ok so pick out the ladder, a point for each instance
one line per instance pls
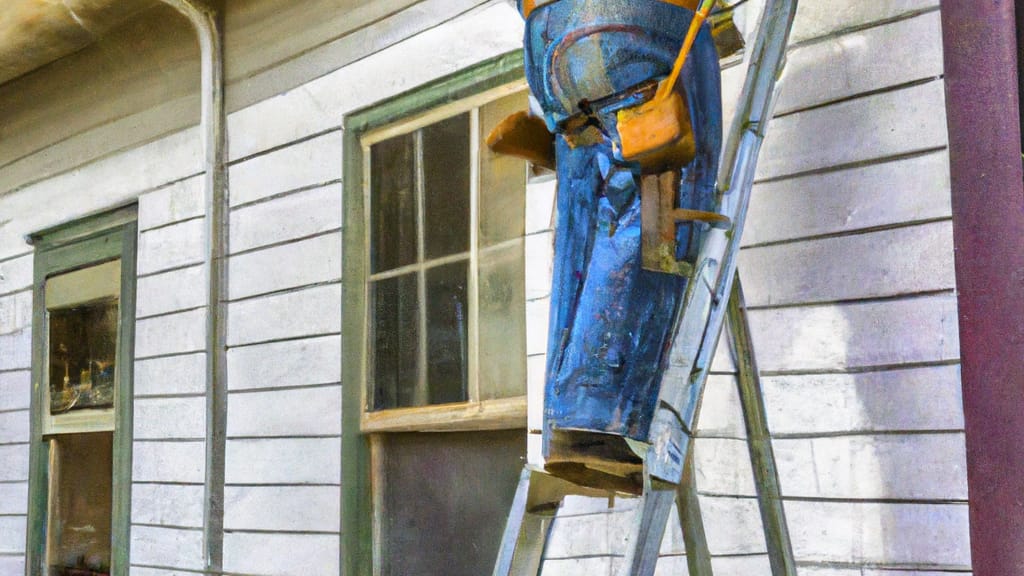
(714, 294)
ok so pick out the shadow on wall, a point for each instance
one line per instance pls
(864, 405)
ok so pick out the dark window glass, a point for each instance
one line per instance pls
(396, 342)
(393, 204)
(83, 345)
(81, 504)
(446, 163)
(447, 337)
(445, 496)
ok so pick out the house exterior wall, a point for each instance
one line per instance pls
(847, 267)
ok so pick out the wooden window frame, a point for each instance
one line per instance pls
(86, 242)
(443, 98)
(474, 413)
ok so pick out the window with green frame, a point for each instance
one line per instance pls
(80, 453)
(434, 322)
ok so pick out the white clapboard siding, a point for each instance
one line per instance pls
(721, 415)
(732, 525)
(282, 554)
(152, 88)
(285, 508)
(867, 128)
(12, 564)
(866, 82)
(170, 462)
(907, 467)
(16, 350)
(13, 498)
(16, 274)
(817, 18)
(172, 246)
(170, 418)
(842, 201)
(168, 505)
(12, 534)
(538, 252)
(283, 461)
(295, 412)
(167, 547)
(179, 374)
(584, 535)
(307, 312)
(321, 102)
(176, 333)
(537, 314)
(14, 427)
(172, 291)
(865, 216)
(904, 399)
(15, 390)
(863, 61)
(810, 570)
(856, 335)
(181, 200)
(297, 215)
(15, 459)
(282, 495)
(308, 361)
(853, 267)
(723, 467)
(314, 162)
(312, 261)
(110, 181)
(924, 535)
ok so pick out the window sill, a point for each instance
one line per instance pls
(499, 414)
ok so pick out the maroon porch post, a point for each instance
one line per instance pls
(979, 37)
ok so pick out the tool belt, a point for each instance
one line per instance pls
(527, 6)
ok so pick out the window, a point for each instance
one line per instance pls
(434, 307)
(81, 415)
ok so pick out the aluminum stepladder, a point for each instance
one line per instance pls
(712, 294)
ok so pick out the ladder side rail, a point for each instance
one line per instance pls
(759, 440)
(698, 556)
(736, 178)
(513, 526)
(739, 166)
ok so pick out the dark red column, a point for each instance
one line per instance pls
(979, 37)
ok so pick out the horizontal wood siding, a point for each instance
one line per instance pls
(848, 272)
(847, 266)
(15, 391)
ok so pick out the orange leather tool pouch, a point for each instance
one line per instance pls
(657, 134)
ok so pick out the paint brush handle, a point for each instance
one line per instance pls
(698, 18)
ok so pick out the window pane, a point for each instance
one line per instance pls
(445, 498)
(81, 504)
(446, 161)
(83, 345)
(502, 323)
(447, 338)
(392, 204)
(502, 177)
(396, 342)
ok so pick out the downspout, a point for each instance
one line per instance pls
(208, 22)
(987, 190)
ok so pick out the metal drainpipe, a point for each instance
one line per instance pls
(208, 23)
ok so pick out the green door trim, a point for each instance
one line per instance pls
(356, 508)
(85, 242)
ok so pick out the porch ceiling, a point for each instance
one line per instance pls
(34, 33)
